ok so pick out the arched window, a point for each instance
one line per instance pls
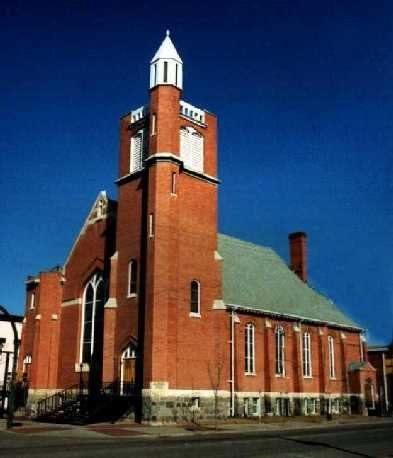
(195, 297)
(249, 351)
(92, 318)
(307, 371)
(280, 351)
(132, 277)
(332, 368)
(191, 148)
(128, 370)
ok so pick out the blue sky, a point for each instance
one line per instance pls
(305, 104)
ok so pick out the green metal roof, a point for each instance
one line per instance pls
(256, 278)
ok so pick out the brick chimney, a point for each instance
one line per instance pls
(298, 254)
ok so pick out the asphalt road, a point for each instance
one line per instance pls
(360, 441)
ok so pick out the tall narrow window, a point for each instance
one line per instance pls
(332, 368)
(195, 297)
(132, 277)
(136, 151)
(155, 74)
(176, 73)
(153, 125)
(93, 306)
(280, 351)
(173, 184)
(151, 225)
(165, 71)
(32, 301)
(249, 351)
(307, 371)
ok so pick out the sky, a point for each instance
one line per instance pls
(304, 97)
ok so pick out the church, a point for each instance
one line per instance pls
(156, 305)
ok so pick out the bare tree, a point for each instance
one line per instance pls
(215, 376)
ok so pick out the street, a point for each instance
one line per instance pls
(361, 441)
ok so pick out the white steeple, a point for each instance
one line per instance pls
(166, 67)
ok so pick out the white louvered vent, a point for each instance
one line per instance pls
(191, 148)
(137, 151)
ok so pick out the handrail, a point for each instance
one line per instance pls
(55, 401)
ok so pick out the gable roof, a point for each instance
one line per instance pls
(255, 278)
(101, 209)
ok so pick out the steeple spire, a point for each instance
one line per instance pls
(166, 67)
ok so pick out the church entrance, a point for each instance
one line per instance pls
(128, 371)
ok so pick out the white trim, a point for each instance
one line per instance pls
(161, 389)
(217, 256)
(151, 225)
(128, 353)
(306, 355)
(32, 300)
(38, 317)
(280, 351)
(219, 304)
(174, 184)
(289, 315)
(101, 196)
(198, 313)
(132, 265)
(194, 315)
(111, 303)
(85, 367)
(249, 356)
(331, 351)
(94, 282)
(72, 302)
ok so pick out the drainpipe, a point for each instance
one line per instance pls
(385, 385)
(232, 379)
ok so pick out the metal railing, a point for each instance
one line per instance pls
(58, 400)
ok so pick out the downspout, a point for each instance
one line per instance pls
(385, 385)
(232, 379)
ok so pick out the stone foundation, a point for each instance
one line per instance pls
(168, 406)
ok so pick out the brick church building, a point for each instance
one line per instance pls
(153, 298)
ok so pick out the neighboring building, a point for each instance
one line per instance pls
(7, 347)
(153, 297)
(381, 357)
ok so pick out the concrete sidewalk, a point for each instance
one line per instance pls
(129, 430)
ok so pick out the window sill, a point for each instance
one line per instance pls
(332, 378)
(194, 315)
(280, 375)
(307, 376)
(173, 194)
(250, 374)
(131, 295)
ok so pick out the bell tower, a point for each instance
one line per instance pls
(167, 227)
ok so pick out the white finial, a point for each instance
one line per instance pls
(168, 32)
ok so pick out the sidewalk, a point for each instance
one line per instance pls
(238, 426)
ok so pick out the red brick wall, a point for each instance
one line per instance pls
(41, 336)
(27, 338)
(346, 351)
(92, 252)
